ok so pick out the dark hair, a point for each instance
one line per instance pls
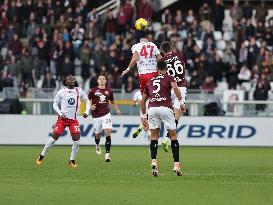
(102, 74)
(64, 82)
(166, 47)
(161, 65)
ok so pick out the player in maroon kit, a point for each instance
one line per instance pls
(160, 110)
(175, 68)
(100, 97)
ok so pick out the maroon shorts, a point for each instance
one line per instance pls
(143, 79)
(61, 124)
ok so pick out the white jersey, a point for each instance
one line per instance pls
(147, 61)
(67, 102)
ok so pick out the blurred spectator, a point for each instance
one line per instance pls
(236, 11)
(261, 92)
(229, 57)
(250, 30)
(205, 12)
(243, 52)
(49, 81)
(232, 77)
(110, 27)
(77, 35)
(13, 70)
(209, 84)
(190, 17)
(130, 84)
(93, 79)
(218, 15)
(85, 57)
(194, 83)
(129, 11)
(247, 10)
(261, 12)
(15, 46)
(167, 17)
(252, 52)
(27, 68)
(244, 74)
(4, 22)
(255, 74)
(67, 67)
(145, 10)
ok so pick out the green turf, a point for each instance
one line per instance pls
(214, 176)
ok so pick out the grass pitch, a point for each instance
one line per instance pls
(212, 175)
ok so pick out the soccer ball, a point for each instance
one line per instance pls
(141, 24)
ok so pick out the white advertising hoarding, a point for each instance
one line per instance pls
(193, 131)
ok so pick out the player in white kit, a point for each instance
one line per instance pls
(145, 55)
(68, 99)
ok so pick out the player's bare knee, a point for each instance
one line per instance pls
(172, 134)
(108, 132)
(97, 136)
(154, 134)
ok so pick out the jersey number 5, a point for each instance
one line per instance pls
(143, 51)
(157, 84)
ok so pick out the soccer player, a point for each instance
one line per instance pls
(175, 68)
(160, 110)
(145, 55)
(100, 97)
(68, 99)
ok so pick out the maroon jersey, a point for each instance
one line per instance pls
(100, 98)
(176, 67)
(158, 90)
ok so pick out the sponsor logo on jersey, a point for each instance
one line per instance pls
(71, 101)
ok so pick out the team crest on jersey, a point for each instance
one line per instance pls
(157, 95)
(101, 96)
(71, 101)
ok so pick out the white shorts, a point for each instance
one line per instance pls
(158, 115)
(175, 101)
(101, 123)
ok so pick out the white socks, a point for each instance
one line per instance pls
(75, 149)
(49, 144)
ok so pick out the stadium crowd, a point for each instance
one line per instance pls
(46, 40)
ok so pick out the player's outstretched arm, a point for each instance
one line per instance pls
(179, 96)
(131, 64)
